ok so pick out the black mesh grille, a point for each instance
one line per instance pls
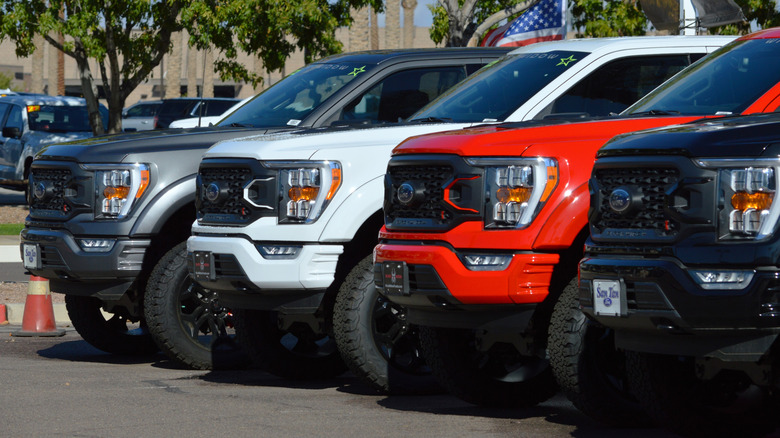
(56, 181)
(651, 183)
(432, 178)
(233, 180)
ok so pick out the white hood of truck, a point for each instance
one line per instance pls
(317, 145)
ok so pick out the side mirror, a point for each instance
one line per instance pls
(12, 132)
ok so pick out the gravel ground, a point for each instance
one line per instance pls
(17, 292)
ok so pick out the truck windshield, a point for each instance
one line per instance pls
(498, 89)
(726, 82)
(290, 100)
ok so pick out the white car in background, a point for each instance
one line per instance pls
(194, 122)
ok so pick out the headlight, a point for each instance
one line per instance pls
(516, 189)
(118, 187)
(748, 188)
(306, 188)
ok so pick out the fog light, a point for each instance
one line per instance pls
(279, 251)
(96, 245)
(720, 280)
(486, 262)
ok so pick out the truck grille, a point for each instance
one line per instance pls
(441, 191)
(432, 179)
(651, 184)
(222, 189)
(54, 182)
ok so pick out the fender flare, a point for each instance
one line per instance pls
(164, 205)
(564, 224)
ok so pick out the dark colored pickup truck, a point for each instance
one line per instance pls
(683, 265)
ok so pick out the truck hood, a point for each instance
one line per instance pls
(515, 138)
(125, 147)
(317, 143)
(740, 136)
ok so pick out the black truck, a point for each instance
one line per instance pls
(683, 267)
(109, 216)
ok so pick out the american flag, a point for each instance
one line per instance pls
(544, 21)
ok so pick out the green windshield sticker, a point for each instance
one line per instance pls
(357, 71)
(565, 61)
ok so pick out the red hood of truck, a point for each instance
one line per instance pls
(512, 140)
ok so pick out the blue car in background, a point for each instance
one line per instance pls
(32, 121)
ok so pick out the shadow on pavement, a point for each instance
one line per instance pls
(81, 351)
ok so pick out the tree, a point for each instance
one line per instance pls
(597, 18)
(454, 21)
(127, 39)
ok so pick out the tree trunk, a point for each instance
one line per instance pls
(90, 92)
(461, 28)
(37, 65)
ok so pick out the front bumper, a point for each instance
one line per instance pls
(243, 278)
(667, 312)
(442, 291)
(71, 270)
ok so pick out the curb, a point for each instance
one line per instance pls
(15, 312)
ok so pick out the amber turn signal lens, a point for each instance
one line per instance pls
(116, 192)
(303, 193)
(758, 201)
(513, 194)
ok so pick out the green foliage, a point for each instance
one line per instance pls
(762, 13)
(5, 81)
(440, 29)
(607, 18)
(128, 39)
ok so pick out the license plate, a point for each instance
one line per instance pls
(31, 256)
(609, 298)
(395, 278)
(203, 263)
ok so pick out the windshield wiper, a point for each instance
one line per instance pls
(656, 112)
(241, 125)
(431, 120)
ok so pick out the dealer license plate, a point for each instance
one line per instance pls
(395, 278)
(203, 265)
(31, 257)
(608, 298)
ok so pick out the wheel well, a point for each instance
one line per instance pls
(174, 231)
(361, 245)
(27, 163)
(562, 274)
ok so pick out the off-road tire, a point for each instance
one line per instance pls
(588, 368)
(673, 396)
(299, 355)
(374, 339)
(482, 378)
(110, 335)
(185, 320)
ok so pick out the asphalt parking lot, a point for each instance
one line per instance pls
(64, 387)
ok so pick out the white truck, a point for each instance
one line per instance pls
(287, 223)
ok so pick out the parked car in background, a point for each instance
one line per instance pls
(188, 107)
(194, 122)
(140, 116)
(31, 121)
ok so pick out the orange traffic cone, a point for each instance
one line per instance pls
(3, 315)
(38, 317)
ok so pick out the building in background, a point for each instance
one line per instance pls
(187, 72)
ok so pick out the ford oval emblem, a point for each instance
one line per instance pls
(40, 190)
(212, 192)
(405, 193)
(619, 200)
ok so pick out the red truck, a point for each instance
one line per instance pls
(484, 228)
